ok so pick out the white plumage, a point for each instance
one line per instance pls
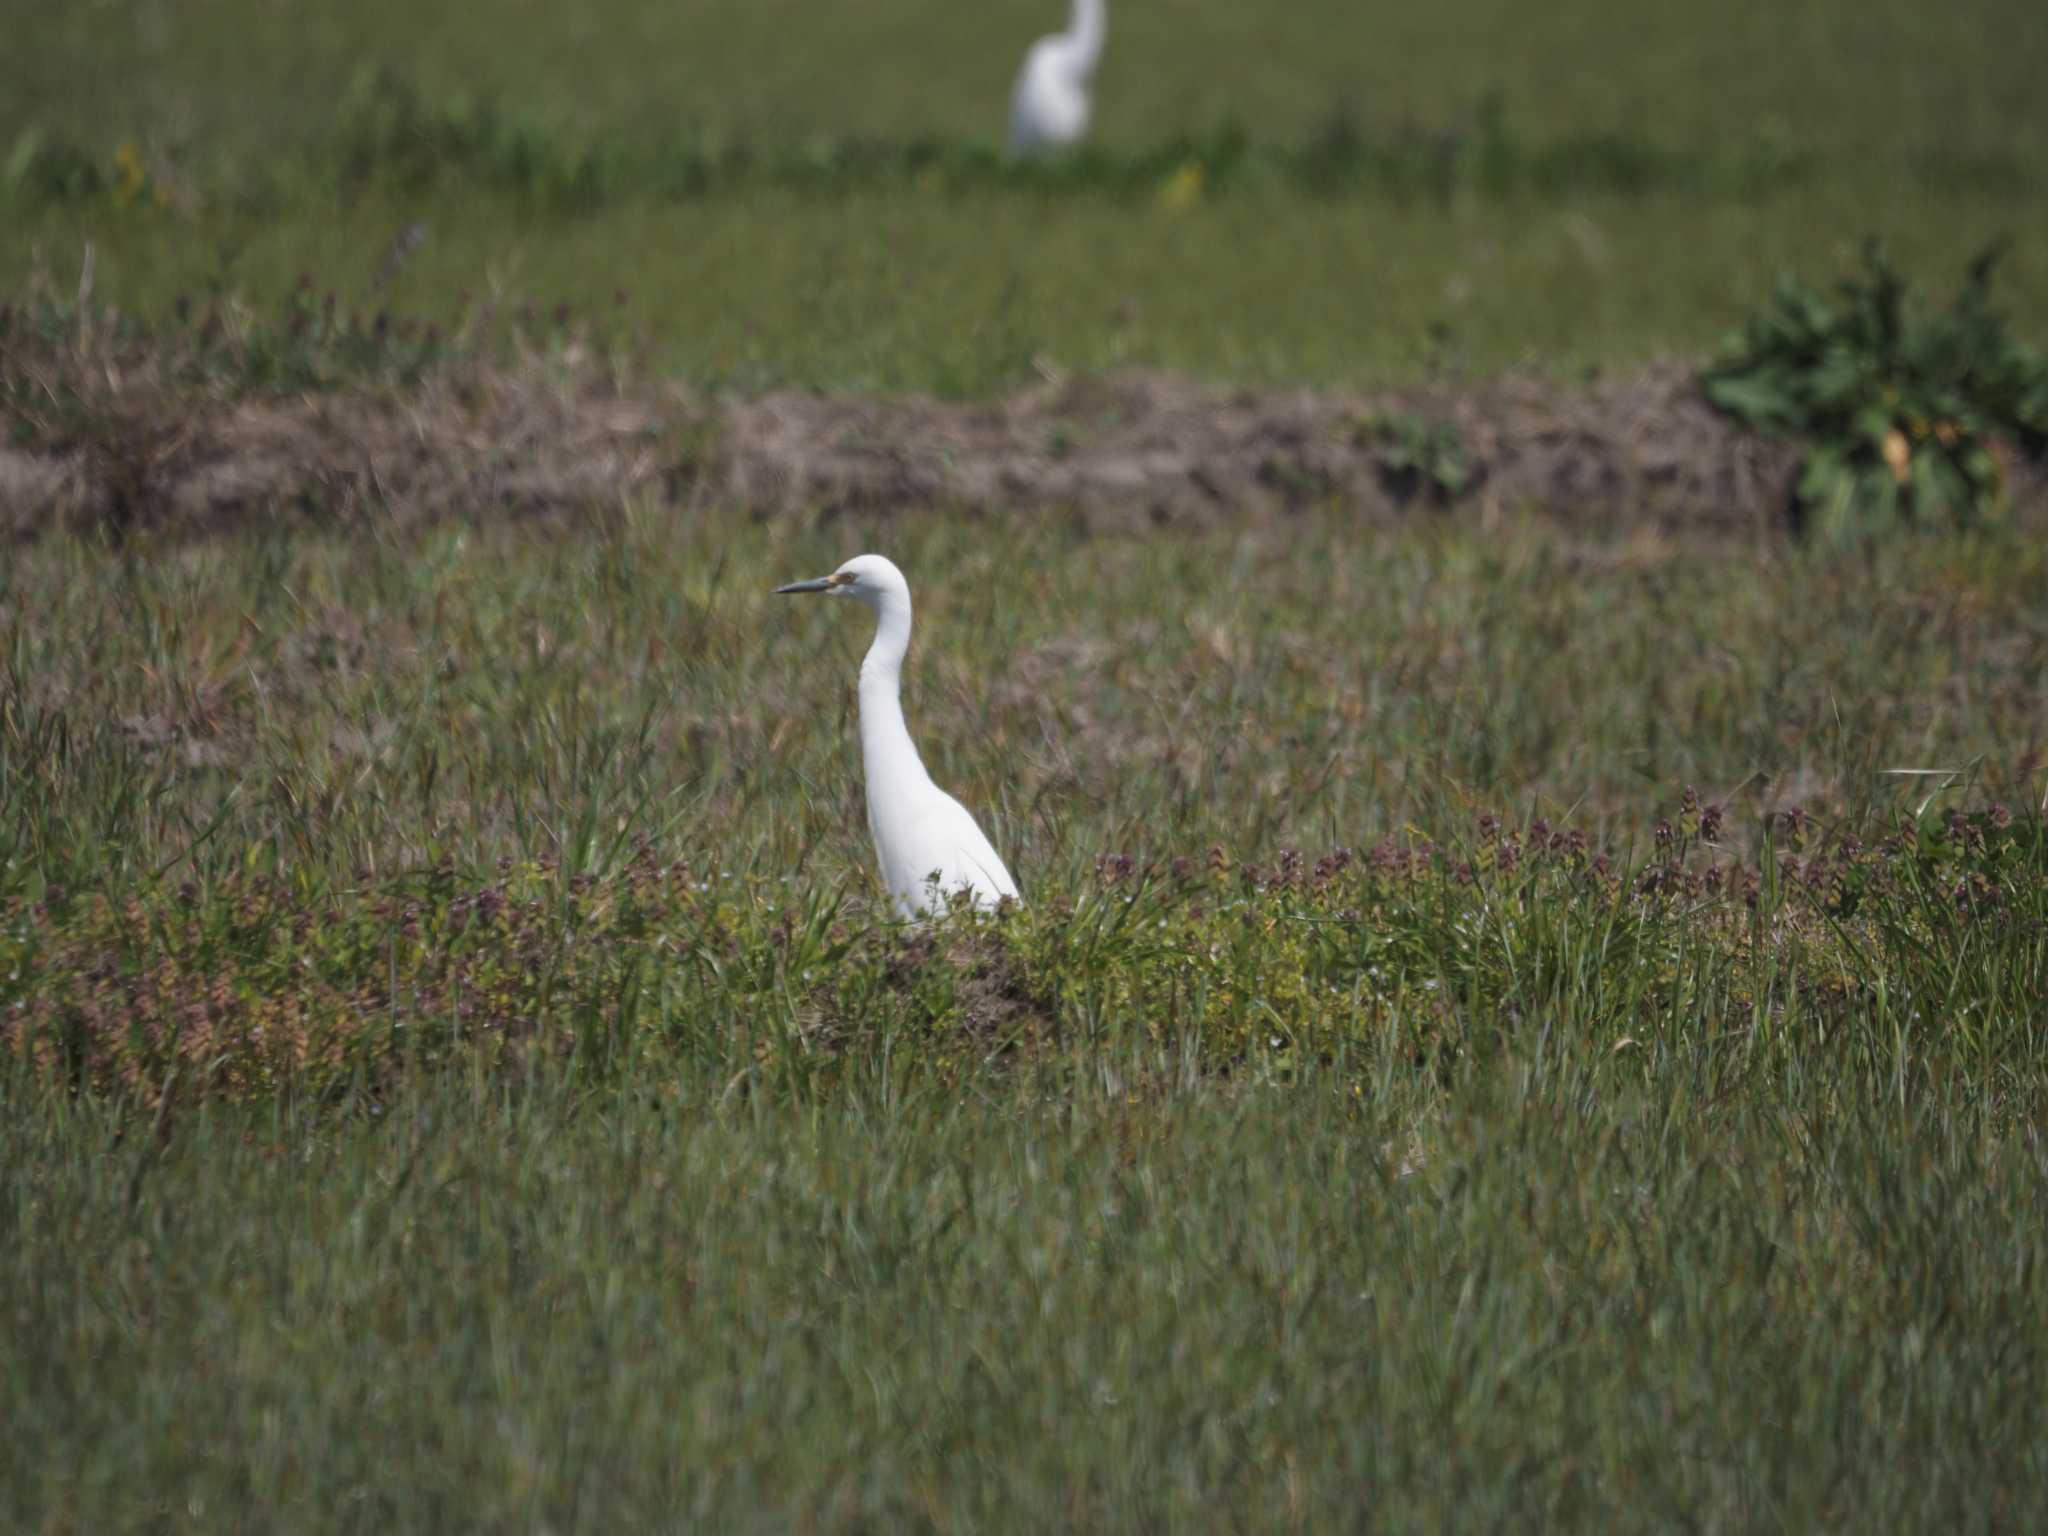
(1049, 106)
(928, 846)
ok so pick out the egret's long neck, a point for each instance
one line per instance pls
(1086, 28)
(887, 753)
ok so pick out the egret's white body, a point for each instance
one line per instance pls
(927, 844)
(1049, 107)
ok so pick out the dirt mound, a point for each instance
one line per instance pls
(1136, 449)
(1141, 446)
(495, 445)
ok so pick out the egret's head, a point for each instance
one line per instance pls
(871, 578)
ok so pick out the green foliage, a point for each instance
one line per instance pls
(390, 134)
(1902, 409)
(1419, 453)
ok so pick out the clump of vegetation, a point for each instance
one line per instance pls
(1904, 408)
(1419, 455)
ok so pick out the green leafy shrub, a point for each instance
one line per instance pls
(1419, 455)
(1902, 407)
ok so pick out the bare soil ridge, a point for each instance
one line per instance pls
(1133, 449)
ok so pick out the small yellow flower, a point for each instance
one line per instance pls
(1183, 187)
(130, 174)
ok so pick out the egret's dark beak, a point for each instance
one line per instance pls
(822, 584)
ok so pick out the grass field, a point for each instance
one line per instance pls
(1513, 1020)
(508, 1103)
(1669, 171)
(1881, 79)
(1592, 1304)
(901, 292)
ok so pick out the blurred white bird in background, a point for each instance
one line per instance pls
(929, 847)
(1049, 107)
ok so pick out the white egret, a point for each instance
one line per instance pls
(1049, 107)
(929, 847)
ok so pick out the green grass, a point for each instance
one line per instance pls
(900, 291)
(1313, 683)
(1865, 79)
(459, 1070)
(1544, 1295)
(304, 808)
(1507, 1024)
(557, 168)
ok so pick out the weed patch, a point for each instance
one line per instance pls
(1908, 416)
